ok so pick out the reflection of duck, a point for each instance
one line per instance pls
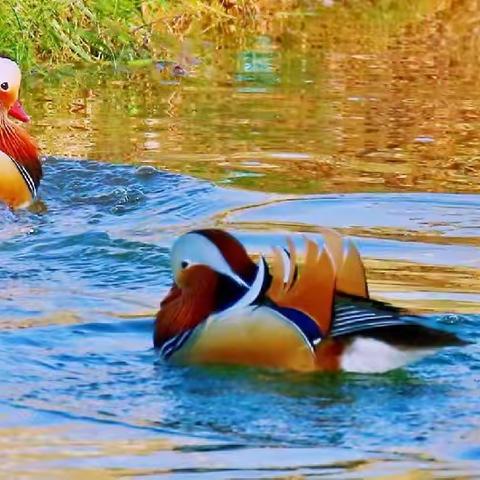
(20, 168)
(224, 308)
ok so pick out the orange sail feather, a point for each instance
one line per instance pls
(324, 273)
(317, 275)
(351, 278)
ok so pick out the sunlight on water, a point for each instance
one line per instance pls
(360, 117)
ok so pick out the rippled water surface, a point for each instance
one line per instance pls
(359, 117)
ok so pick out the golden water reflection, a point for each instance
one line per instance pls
(71, 451)
(358, 96)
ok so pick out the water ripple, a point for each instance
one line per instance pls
(83, 276)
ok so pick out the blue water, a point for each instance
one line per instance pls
(83, 392)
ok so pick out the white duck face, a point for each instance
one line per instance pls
(10, 78)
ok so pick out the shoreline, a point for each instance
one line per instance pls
(89, 31)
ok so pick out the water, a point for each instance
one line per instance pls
(358, 125)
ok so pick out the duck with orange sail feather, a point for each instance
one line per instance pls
(224, 308)
(20, 167)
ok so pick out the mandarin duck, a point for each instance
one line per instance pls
(20, 167)
(224, 308)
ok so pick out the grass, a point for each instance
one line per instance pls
(63, 31)
(58, 32)
(67, 31)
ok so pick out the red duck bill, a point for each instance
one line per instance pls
(17, 111)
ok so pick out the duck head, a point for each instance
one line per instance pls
(20, 167)
(212, 272)
(216, 249)
(10, 79)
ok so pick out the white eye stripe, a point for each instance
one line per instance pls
(10, 74)
(199, 250)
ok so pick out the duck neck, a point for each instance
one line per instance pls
(18, 145)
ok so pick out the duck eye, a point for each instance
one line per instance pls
(4, 86)
(184, 264)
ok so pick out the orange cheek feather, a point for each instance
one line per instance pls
(187, 306)
(7, 98)
(174, 293)
(9, 101)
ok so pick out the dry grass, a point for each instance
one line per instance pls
(63, 31)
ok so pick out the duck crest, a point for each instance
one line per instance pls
(19, 146)
(233, 252)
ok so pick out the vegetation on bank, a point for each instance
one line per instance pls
(63, 31)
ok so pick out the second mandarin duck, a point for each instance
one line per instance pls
(20, 167)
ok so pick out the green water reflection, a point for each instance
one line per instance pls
(352, 97)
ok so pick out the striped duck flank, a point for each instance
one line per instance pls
(314, 315)
(20, 167)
